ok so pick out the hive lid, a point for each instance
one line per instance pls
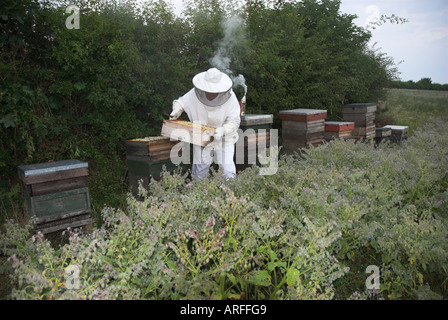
(149, 139)
(303, 112)
(252, 119)
(337, 123)
(303, 115)
(359, 105)
(257, 116)
(49, 167)
(394, 127)
(359, 108)
(383, 129)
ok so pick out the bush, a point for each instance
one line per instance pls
(307, 232)
(80, 93)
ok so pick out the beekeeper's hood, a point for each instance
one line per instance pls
(213, 81)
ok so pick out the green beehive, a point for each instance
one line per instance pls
(57, 195)
(146, 159)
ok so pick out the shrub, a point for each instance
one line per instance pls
(307, 232)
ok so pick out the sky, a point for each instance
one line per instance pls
(419, 47)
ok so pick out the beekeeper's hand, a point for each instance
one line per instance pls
(177, 111)
(219, 132)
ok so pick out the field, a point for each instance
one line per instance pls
(412, 108)
(321, 228)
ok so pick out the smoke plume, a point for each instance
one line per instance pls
(233, 35)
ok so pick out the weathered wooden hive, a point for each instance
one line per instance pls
(57, 195)
(146, 158)
(254, 132)
(382, 134)
(338, 130)
(302, 128)
(363, 115)
(398, 133)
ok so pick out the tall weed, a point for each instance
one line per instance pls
(307, 232)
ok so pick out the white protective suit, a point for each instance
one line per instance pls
(222, 113)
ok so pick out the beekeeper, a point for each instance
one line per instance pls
(212, 102)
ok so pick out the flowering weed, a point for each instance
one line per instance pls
(307, 232)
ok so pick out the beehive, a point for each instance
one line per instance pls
(382, 135)
(57, 195)
(146, 158)
(363, 115)
(254, 132)
(338, 130)
(398, 133)
(302, 128)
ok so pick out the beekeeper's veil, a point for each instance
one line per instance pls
(213, 81)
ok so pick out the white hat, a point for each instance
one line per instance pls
(213, 81)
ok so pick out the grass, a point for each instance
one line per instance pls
(413, 108)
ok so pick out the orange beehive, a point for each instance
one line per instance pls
(338, 130)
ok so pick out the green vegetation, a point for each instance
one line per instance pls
(80, 93)
(422, 84)
(413, 108)
(308, 232)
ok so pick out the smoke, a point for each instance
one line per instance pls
(233, 35)
(240, 81)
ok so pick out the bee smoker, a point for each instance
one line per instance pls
(243, 105)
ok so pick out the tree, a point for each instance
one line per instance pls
(309, 55)
(424, 84)
(81, 92)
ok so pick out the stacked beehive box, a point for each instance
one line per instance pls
(57, 195)
(398, 133)
(363, 115)
(254, 137)
(146, 158)
(302, 128)
(382, 134)
(338, 130)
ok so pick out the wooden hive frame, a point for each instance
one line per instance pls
(186, 131)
